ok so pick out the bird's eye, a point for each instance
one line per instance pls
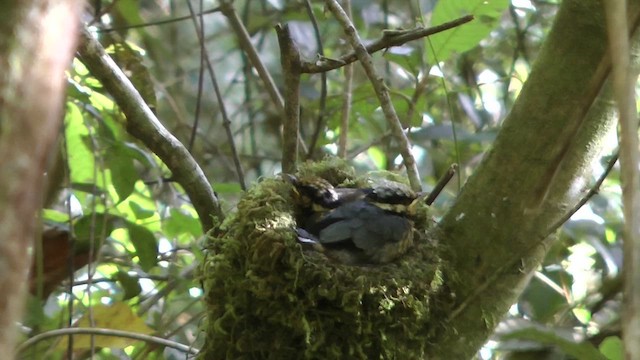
(330, 196)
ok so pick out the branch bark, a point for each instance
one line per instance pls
(624, 80)
(290, 59)
(143, 125)
(532, 176)
(381, 92)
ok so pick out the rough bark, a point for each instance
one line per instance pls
(496, 232)
(36, 46)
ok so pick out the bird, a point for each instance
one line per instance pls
(360, 232)
(355, 226)
(316, 194)
(394, 197)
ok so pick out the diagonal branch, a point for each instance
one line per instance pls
(381, 92)
(226, 123)
(390, 38)
(145, 126)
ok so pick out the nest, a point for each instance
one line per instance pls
(267, 298)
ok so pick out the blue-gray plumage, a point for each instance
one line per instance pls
(376, 235)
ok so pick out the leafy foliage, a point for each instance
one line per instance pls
(134, 238)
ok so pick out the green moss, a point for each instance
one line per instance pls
(269, 299)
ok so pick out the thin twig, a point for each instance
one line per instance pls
(624, 80)
(290, 59)
(509, 265)
(156, 23)
(381, 139)
(241, 32)
(421, 85)
(323, 81)
(442, 182)
(196, 115)
(594, 190)
(145, 126)
(245, 43)
(248, 97)
(347, 99)
(452, 112)
(106, 332)
(226, 123)
(381, 92)
(389, 39)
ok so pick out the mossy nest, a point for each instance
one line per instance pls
(268, 298)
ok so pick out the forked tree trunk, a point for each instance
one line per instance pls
(497, 230)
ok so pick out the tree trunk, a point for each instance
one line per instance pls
(497, 231)
(36, 46)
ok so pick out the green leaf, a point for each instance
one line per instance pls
(540, 301)
(487, 14)
(140, 212)
(129, 10)
(129, 284)
(582, 350)
(179, 223)
(89, 226)
(81, 158)
(405, 57)
(54, 216)
(123, 174)
(228, 188)
(146, 246)
(611, 348)
(77, 91)
(89, 188)
(378, 157)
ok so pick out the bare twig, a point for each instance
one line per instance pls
(203, 49)
(624, 81)
(421, 85)
(241, 32)
(226, 123)
(106, 332)
(161, 22)
(442, 182)
(347, 97)
(509, 265)
(381, 139)
(381, 92)
(245, 43)
(248, 97)
(290, 58)
(594, 190)
(389, 39)
(320, 123)
(143, 125)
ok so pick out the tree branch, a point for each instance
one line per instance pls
(347, 99)
(495, 239)
(381, 92)
(390, 38)
(226, 123)
(290, 58)
(624, 80)
(227, 9)
(143, 125)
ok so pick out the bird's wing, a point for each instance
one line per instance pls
(337, 232)
(344, 212)
(380, 231)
